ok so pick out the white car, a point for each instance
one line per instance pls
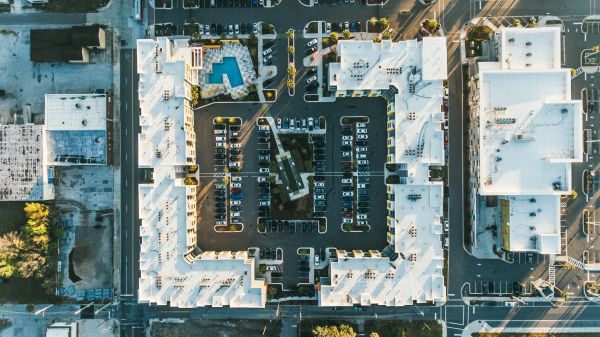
(236, 202)
(255, 28)
(220, 187)
(446, 225)
(346, 142)
(236, 214)
(236, 146)
(361, 149)
(346, 137)
(311, 79)
(235, 134)
(347, 194)
(363, 162)
(271, 268)
(319, 184)
(221, 222)
(264, 203)
(347, 220)
(361, 130)
(237, 29)
(234, 164)
(346, 154)
(219, 139)
(311, 43)
(317, 258)
(201, 30)
(347, 181)
(328, 28)
(362, 217)
(263, 170)
(319, 196)
(292, 124)
(362, 136)
(236, 178)
(362, 186)
(363, 222)
(361, 156)
(361, 125)
(219, 132)
(262, 179)
(219, 144)
(279, 123)
(267, 51)
(234, 185)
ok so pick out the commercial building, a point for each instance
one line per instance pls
(66, 44)
(409, 270)
(74, 133)
(529, 133)
(174, 270)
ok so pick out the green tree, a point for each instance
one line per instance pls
(289, 34)
(377, 39)
(334, 37)
(346, 34)
(291, 50)
(292, 71)
(517, 22)
(373, 334)
(333, 331)
(373, 21)
(30, 307)
(30, 265)
(387, 35)
(291, 84)
(219, 120)
(384, 22)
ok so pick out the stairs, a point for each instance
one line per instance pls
(551, 274)
(576, 263)
(578, 72)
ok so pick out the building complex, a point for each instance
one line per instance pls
(527, 136)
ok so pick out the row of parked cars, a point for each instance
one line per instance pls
(229, 29)
(338, 27)
(297, 124)
(292, 226)
(227, 146)
(233, 201)
(264, 160)
(354, 189)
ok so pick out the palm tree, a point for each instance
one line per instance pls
(219, 120)
(291, 50)
(289, 34)
(292, 71)
(377, 39)
(346, 34)
(387, 35)
(291, 84)
(373, 21)
(232, 120)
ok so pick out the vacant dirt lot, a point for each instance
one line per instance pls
(216, 328)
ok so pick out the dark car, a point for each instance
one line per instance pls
(220, 193)
(221, 210)
(220, 199)
(264, 152)
(234, 151)
(264, 134)
(263, 184)
(263, 190)
(319, 163)
(235, 190)
(363, 210)
(273, 226)
(362, 142)
(261, 254)
(220, 156)
(280, 226)
(235, 208)
(263, 163)
(363, 204)
(264, 208)
(213, 29)
(234, 128)
(319, 190)
(234, 158)
(346, 148)
(220, 217)
(319, 178)
(263, 140)
(312, 71)
(243, 28)
(312, 86)
(264, 214)
(234, 140)
(346, 132)
(320, 203)
(363, 198)
(268, 253)
(219, 29)
(320, 169)
(320, 209)
(220, 204)
(319, 151)
(219, 150)
(220, 162)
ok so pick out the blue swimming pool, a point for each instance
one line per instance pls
(230, 68)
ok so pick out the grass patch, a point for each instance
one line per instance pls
(25, 290)
(300, 149)
(74, 6)
(282, 208)
(404, 328)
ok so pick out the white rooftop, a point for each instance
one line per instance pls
(530, 131)
(368, 65)
(415, 143)
(75, 112)
(170, 274)
(534, 223)
(529, 48)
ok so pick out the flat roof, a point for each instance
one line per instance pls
(413, 72)
(75, 129)
(530, 132)
(367, 65)
(530, 48)
(75, 112)
(23, 174)
(172, 269)
(534, 223)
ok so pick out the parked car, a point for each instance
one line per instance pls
(255, 28)
(361, 130)
(311, 79)
(311, 43)
(268, 58)
(362, 136)
(236, 202)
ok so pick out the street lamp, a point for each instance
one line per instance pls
(43, 310)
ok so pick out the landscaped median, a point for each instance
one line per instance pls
(291, 82)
